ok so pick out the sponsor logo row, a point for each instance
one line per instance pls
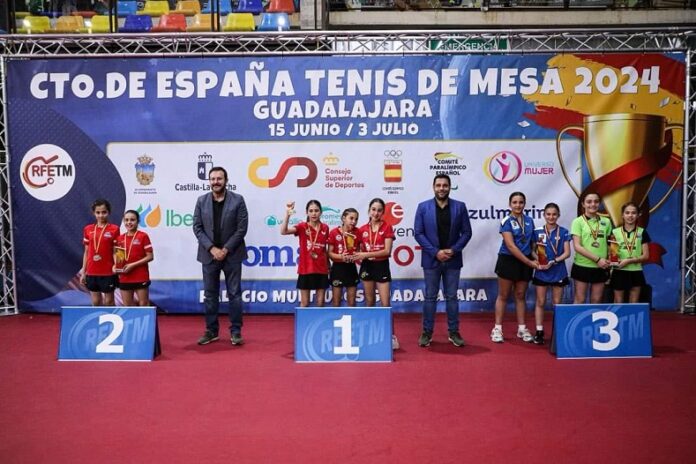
(48, 172)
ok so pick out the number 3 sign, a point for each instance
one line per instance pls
(105, 333)
(603, 331)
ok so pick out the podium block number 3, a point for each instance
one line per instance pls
(345, 323)
(106, 345)
(608, 330)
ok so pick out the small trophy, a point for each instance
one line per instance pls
(541, 254)
(119, 258)
(613, 250)
(290, 206)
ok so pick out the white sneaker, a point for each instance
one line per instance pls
(525, 335)
(395, 343)
(496, 335)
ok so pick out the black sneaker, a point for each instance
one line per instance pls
(236, 339)
(207, 337)
(539, 337)
(456, 339)
(425, 338)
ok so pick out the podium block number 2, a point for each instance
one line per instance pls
(106, 345)
(609, 330)
(345, 323)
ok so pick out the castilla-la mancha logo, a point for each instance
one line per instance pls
(47, 172)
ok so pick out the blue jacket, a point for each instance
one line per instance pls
(426, 232)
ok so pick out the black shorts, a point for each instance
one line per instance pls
(626, 280)
(101, 284)
(312, 281)
(541, 283)
(510, 268)
(589, 275)
(344, 275)
(375, 271)
(133, 285)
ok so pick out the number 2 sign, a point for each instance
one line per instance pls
(108, 333)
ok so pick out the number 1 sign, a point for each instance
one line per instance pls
(343, 335)
(107, 333)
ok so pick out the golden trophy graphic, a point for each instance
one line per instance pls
(623, 152)
(120, 259)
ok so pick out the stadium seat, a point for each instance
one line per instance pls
(239, 22)
(225, 7)
(274, 22)
(155, 8)
(281, 6)
(188, 7)
(249, 6)
(70, 25)
(35, 25)
(172, 22)
(84, 14)
(202, 22)
(99, 24)
(127, 7)
(137, 23)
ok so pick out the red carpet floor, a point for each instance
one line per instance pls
(252, 404)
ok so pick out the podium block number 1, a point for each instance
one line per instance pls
(345, 323)
(105, 346)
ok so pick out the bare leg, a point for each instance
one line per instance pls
(336, 296)
(369, 287)
(540, 304)
(520, 301)
(504, 289)
(143, 296)
(596, 293)
(304, 298)
(321, 296)
(580, 292)
(350, 295)
(127, 296)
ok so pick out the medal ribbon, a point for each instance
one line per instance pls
(629, 245)
(127, 248)
(316, 236)
(372, 238)
(548, 239)
(594, 232)
(98, 242)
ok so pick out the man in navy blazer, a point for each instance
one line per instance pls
(442, 229)
(220, 223)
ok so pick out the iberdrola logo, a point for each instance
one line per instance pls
(149, 217)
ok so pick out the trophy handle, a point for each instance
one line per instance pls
(676, 179)
(560, 155)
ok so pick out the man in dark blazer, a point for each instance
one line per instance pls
(220, 223)
(442, 229)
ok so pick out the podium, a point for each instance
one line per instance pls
(108, 333)
(333, 334)
(603, 331)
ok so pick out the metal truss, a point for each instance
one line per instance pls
(345, 43)
(613, 40)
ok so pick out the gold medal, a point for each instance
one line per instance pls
(595, 244)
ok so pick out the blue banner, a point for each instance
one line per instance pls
(143, 132)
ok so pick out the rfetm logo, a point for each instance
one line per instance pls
(283, 172)
(47, 172)
(149, 217)
(393, 213)
(504, 167)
